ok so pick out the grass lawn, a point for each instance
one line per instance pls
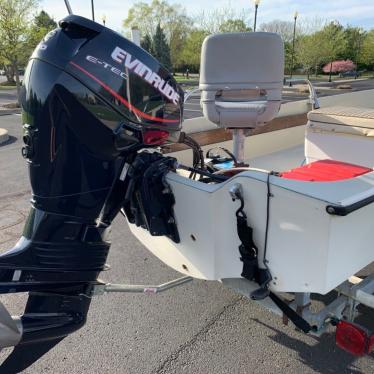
(182, 79)
(325, 77)
(194, 78)
(3, 87)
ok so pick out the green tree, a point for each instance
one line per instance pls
(367, 50)
(160, 47)
(354, 39)
(333, 42)
(289, 63)
(172, 18)
(310, 53)
(283, 28)
(41, 25)
(43, 19)
(234, 25)
(15, 19)
(146, 43)
(191, 51)
(180, 30)
(224, 19)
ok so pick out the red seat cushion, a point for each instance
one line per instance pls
(326, 171)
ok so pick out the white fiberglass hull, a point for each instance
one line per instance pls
(308, 250)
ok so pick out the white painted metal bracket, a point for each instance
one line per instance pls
(135, 288)
(360, 290)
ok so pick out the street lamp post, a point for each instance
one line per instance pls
(93, 10)
(330, 73)
(333, 56)
(360, 33)
(257, 2)
(103, 18)
(293, 45)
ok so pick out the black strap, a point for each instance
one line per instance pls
(251, 271)
(248, 250)
(249, 257)
(296, 319)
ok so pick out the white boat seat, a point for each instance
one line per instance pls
(241, 78)
(341, 133)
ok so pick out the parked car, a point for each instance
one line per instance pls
(2, 72)
(351, 73)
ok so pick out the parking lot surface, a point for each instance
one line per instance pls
(200, 327)
(193, 110)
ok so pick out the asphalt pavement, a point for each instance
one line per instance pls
(7, 96)
(192, 107)
(200, 327)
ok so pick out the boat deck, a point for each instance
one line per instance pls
(281, 160)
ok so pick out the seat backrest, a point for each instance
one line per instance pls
(241, 78)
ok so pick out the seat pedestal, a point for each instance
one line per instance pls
(238, 137)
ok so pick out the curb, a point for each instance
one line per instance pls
(4, 137)
(5, 111)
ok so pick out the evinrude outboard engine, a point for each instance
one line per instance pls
(91, 100)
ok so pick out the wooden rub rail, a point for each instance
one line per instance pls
(222, 135)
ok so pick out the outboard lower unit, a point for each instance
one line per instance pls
(91, 100)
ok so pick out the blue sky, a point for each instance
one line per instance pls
(353, 12)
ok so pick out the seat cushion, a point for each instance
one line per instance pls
(325, 171)
(344, 120)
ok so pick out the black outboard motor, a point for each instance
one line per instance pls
(91, 100)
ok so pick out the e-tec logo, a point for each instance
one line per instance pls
(121, 56)
(113, 69)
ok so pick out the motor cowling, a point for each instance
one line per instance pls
(90, 95)
(91, 100)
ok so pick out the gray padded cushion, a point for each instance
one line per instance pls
(241, 78)
(242, 60)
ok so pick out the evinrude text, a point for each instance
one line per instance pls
(121, 56)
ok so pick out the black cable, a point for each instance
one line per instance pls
(217, 178)
(265, 275)
(226, 151)
(197, 153)
(267, 218)
(296, 319)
